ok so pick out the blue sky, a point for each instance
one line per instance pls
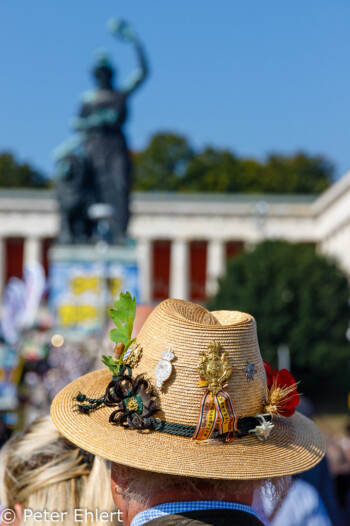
(255, 76)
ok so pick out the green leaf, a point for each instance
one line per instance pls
(130, 342)
(111, 364)
(123, 316)
(130, 326)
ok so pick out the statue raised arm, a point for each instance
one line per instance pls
(123, 31)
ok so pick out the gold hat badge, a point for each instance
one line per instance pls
(216, 406)
(214, 367)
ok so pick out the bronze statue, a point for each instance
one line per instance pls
(100, 157)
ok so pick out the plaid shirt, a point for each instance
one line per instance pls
(171, 508)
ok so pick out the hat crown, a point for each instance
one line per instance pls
(189, 330)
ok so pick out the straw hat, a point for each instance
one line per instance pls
(293, 445)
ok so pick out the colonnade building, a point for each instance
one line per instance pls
(185, 239)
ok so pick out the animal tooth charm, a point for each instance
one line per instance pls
(164, 368)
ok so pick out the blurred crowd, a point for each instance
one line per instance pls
(338, 454)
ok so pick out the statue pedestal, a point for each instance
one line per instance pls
(84, 280)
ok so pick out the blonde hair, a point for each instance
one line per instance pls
(41, 470)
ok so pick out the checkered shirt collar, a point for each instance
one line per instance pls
(171, 508)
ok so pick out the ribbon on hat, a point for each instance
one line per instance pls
(216, 409)
(216, 405)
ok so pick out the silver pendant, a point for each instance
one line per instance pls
(164, 368)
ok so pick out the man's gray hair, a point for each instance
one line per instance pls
(141, 486)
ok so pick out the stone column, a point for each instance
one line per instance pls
(145, 255)
(179, 269)
(32, 250)
(216, 260)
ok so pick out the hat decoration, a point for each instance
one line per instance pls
(136, 399)
(282, 395)
(216, 406)
(133, 397)
(249, 370)
(164, 368)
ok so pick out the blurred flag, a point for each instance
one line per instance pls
(12, 310)
(21, 301)
(8, 396)
(34, 282)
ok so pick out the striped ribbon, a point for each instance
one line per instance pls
(216, 410)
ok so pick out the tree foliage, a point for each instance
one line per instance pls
(162, 164)
(169, 163)
(299, 299)
(14, 174)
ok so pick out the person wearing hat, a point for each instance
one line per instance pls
(192, 419)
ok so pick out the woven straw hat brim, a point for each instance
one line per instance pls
(294, 445)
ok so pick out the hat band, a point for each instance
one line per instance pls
(245, 426)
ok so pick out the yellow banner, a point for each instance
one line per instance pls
(69, 315)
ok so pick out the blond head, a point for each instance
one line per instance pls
(41, 470)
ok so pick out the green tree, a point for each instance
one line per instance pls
(169, 163)
(299, 173)
(299, 299)
(16, 175)
(162, 164)
(212, 171)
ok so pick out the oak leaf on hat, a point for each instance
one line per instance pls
(133, 397)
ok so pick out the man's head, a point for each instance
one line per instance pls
(135, 490)
(189, 422)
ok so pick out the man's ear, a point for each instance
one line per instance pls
(118, 483)
(118, 475)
